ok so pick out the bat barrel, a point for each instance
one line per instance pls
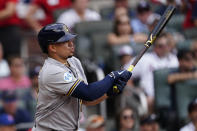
(163, 21)
(156, 31)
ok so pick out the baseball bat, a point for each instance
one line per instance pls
(152, 37)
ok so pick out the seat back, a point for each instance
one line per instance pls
(185, 92)
(191, 33)
(176, 22)
(58, 12)
(85, 30)
(162, 88)
(101, 49)
(184, 45)
(106, 12)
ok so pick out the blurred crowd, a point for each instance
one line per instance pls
(108, 39)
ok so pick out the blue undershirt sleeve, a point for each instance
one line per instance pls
(93, 91)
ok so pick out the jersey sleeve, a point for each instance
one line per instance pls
(62, 82)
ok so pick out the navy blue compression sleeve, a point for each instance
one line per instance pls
(93, 90)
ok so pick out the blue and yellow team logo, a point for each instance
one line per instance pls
(68, 77)
(66, 28)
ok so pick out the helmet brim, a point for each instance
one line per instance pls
(67, 37)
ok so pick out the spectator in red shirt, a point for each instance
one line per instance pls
(9, 27)
(191, 15)
(49, 6)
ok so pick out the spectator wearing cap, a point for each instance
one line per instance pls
(9, 101)
(192, 110)
(139, 24)
(95, 123)
(34, 72)
(7, 123)
(31, 96)
(149, 123)
(125, 54)
(163, 4)
(185, 71)
(131, 96)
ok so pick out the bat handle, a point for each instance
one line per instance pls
(130, 69)
(115, 88)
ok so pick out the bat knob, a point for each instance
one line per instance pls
(115, 89)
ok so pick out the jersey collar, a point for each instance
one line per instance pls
(53, 61)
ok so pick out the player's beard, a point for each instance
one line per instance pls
(70, 56)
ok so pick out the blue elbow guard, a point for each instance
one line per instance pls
(93, 90)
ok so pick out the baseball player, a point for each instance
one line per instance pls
(62, 83)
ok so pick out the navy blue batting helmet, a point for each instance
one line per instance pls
(52, 34)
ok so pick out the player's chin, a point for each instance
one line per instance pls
(71, 55)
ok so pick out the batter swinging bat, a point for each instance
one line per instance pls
(151, 38)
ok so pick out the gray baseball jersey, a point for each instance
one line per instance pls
(56, 109)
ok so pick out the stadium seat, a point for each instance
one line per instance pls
(103, 54)
(100, 48)
(176, 22)
(185, 92)
(162, 88)
(114, 58)
(105, 12)
(191, 33)
(184, 45)
(58, 12)
(87, 28)
(167, 117)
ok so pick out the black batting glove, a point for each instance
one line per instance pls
(123, 75)
(120, 86)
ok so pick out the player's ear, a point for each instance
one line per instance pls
(52, 48)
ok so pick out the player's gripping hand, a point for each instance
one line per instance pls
(120, 80)
(123, 75)
(120, 86)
